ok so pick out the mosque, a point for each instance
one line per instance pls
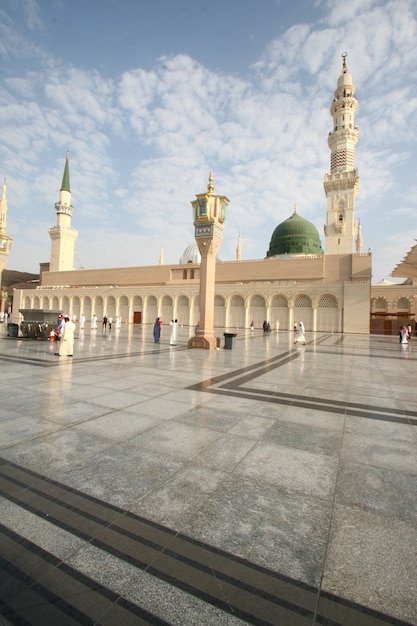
(328, 289)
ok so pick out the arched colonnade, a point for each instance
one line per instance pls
(321, 312)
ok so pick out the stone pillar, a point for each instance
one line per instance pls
(209, 214)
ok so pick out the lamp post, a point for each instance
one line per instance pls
(209, 211)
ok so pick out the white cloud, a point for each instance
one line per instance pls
(142, 143)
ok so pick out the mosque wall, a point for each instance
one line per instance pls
(327, 293)
(356, 311)
(362, 266)
(327, 307)
(144, 275)
(348, 267)
(288, 267)
(292, 267)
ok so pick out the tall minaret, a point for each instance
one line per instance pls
(238, 249)
(342, 184)
(63, 236)
(5, 240)
(359, 239)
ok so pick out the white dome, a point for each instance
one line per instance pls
(191, 254)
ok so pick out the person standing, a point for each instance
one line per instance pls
(105, 323)
(300, 335)
(94, 322)
(404, 335)
(174, 332)
(157, 330)
(110, 320)
(60, 328)
(82, 321)
(66, 345)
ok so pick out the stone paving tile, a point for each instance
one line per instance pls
(305, 466)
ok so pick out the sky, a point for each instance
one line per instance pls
(149, 96)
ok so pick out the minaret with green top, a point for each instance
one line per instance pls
(63, 236)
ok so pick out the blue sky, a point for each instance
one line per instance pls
(150, 95)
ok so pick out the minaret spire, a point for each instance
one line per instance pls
(342, 184)
(5, 242)
(3, 208)
(66, 178)
(210, 186)
(359, 240)
(63, 236)
(238, 249)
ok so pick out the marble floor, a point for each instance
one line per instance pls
(269, 484)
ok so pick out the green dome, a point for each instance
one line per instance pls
(295, 236)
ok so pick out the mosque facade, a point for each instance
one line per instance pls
(328, 289)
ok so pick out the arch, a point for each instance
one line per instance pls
(328, 313)
(280, 312)
(110, 307)
(219, 311)
(86, 308)
(137, 313)
(403, 305)
(380, 305)
(257, 311)
(98, 307)
(45, 303)
(166, 309)
(55, 304)
(36, 302)
(328, 301)
(302, 301)
(150, 309)
(123, 307)
(76, 307)
(183, 310)
(194, 310)
(303, 311)
(236, 310)
(66, 305)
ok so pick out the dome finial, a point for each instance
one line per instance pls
(344, 66)
(210, 186)
(295, 209)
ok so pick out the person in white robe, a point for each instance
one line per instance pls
(66, 345)
(300, 335)
(404, 335)
(174, 332)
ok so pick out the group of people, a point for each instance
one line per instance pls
(157, 331)
(106, 322)
(66, 334)
(405, 334)
(65, 331)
